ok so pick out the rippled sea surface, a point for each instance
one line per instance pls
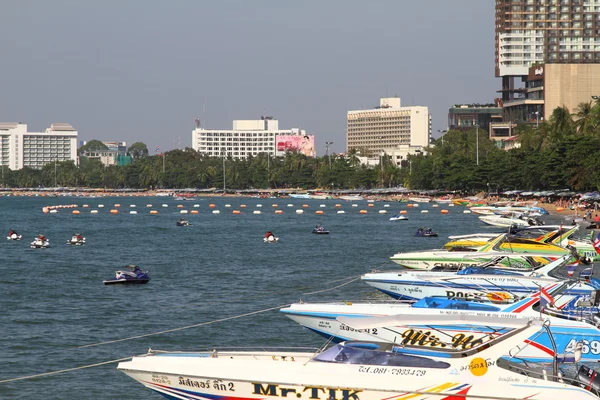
(52, 301)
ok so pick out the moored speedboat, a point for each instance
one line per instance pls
(133, 275)
(363, 371)
(473, 282)
(572, 319)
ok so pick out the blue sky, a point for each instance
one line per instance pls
(143, 70)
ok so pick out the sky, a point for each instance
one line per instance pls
(143, 70)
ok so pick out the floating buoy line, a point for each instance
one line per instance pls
(347, 281)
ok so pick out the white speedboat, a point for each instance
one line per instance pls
(506, 221)
(420, 199)
(398, 217)
(572, 319)
(367, 370)
(483, 282)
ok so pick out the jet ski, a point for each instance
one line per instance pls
(40, 242)
(76, 240)
(319, 230)
(183, 222)
(425, 232)
(14, 236)
(133, 274)
(398, 217)
(271, 239)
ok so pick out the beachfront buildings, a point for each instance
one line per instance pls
(250, 138)
(20, 148)
(388, 129)
(464, 117)
(547, 55)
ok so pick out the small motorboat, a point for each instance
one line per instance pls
(76, 240)
(593, 225)
(425, 232)
(320, 230)
(133, 274)
(40, 242)
(398, 217)
(183, 222)
(12, 235)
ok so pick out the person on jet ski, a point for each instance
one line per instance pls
(12, 233)
(41, 237)
(318, 227)
(269, 234)
(79, 237)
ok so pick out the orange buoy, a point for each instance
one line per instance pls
(304, 205)
(76, 212)
(179, 205)
(194, 212)
(274, 205)
(236, 212)
(211, 205)
(113, 211)
(362, 211)
(560, 209)
(153, 212)
(319, 212)
(444, 211)
(278, 211)
(338, 205)
(45, 210)
(409, 205)
(242, 206)
(371, 205)
(403, 212)
(117, 205)
(85, 206)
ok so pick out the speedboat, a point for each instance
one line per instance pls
(371, 370)
(40, 242)
(425, 232)
(319, 230)
(133, 274)
(398, 217)
(474, 282)
(183, 222)
(430, 259)
(572, 319)
(14, 236)
(76, 240)
(508, 220)
(271, 239)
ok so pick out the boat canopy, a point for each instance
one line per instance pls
(371, 353)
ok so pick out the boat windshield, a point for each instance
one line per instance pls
(368, 353)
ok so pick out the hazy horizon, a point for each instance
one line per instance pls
(143, 71)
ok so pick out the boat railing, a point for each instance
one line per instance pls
(254, 351)
(390, 301)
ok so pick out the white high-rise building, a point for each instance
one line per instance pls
(387, 128)
(20, 148)
(250, 138)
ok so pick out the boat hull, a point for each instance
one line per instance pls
(126, 281)
(287, 376)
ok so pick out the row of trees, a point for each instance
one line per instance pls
(559, 153)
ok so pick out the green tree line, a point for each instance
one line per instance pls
(559, 153)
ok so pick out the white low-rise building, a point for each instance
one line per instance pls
(250, 138)
(20, 148)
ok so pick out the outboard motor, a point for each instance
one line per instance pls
(588, 379)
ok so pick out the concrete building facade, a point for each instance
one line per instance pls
(466, 116)
(250, 138)
(386, 127)
(20, 148)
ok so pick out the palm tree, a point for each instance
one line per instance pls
(561, 124)
(585, 118)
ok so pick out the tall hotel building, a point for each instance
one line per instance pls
(390, 129)
(530, 33)
(20, 148)
(250, 138)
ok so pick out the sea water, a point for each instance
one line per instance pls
(52, 301)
